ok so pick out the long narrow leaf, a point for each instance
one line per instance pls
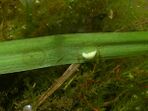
(28, 54)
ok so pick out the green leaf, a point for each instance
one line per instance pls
(28, 54)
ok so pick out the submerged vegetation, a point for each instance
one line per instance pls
(21, 18)
(102, 85)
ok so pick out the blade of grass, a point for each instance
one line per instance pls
(28, 54)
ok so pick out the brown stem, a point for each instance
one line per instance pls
(69, 72)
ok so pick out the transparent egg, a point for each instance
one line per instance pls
(89, 55)
(27, 108)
